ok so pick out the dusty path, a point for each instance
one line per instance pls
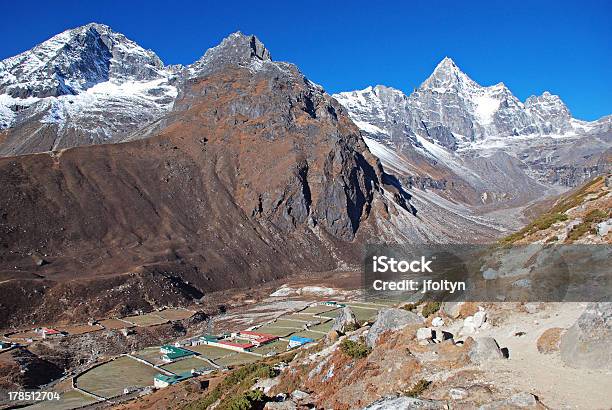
(545, 375)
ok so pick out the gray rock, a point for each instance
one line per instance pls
(299, 395)
(452, 309)
(283, 405)
(458, 393)
(424, 333)
(345, 320)
(404, 403)
(587, 343)
(391, 319)
(485, 349)
(522, 400)
(604, 227)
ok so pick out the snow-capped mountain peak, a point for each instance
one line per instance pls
(76, 60)
(448, 76)
(85, 85)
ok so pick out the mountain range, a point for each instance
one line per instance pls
(128, 184)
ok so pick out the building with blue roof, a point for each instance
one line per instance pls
(296, 341)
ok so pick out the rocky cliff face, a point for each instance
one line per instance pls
(256, 174)
(452, 122)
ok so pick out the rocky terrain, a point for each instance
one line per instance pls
(472, 355)
(254, 174)
(454, 133)
(129, 185)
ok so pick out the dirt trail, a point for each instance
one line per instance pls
(545, 375)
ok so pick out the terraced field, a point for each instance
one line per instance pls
(115, 324)
(186, 365)
(68, 400)
(145, 320)
(312, 335)
(278, 331)
(211, 352)
(237, 359)
(292, 324)
(111, 378)
(175, 314)
(150, 354)
(276, 347)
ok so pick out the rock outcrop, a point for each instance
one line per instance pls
(404, 402)
(390, 320)
(345, 321)
(587, 343)
(484, 349)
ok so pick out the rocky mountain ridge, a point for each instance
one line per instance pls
(482, 137)
(91, 85)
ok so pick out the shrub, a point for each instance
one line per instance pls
(430, 308)
(593, 217)
(356, 350)
(418, 388)
(410, 306)
(233, 392)
(351, 327)
(246, 401)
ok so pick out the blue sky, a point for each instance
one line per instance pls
(532, 46)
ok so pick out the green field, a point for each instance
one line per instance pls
(175, 314)
(68, 400)
(210, 352)
(323, 327)
(287, 323)
(276, 347)
(364, 314)
(277, 331)
(237, 359)
(317, 309)
(150, 354)
(111, 378)
(331, 314)
(312, 335)
(145, 320)
(303, 318)
(186, 365)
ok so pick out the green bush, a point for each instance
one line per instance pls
(430, 308)
(418, 388)
(410, 306)
(356, 350)
(247, 401)
(593, 217)
(234, 391)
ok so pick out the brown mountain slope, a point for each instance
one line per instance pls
(257, 174)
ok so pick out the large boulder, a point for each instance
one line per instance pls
(452, 309)
(522, 400)
(484, 349)
(283, 405)
(345, 321)
(389, 320)
(587, 343)
(405, 402)
(549, 340)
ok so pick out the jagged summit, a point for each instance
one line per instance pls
(237, 48)
(90, 84)
(74, 61)
(447, 76)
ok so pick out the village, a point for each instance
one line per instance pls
(140, 372)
